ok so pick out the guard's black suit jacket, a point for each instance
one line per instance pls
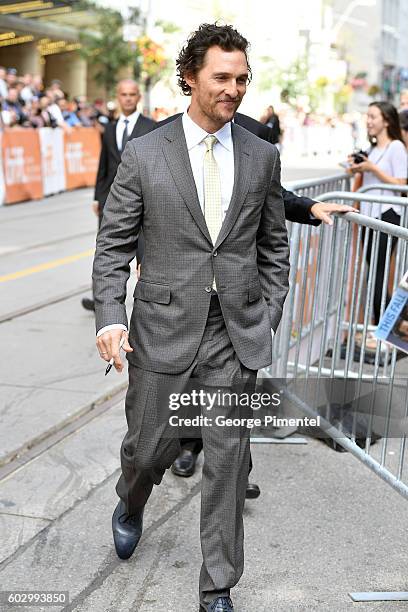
(297, 208)
(110, 156)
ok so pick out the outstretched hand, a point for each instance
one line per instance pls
(323, 210)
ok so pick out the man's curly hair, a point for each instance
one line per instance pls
(191, 56)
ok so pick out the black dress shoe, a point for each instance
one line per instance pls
(185, 463)
(221, 604)
(88, 304)
(252, 491)
(127, 530)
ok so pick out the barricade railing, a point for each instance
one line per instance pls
(315, 258)
(322, 348)
(313, 187)
(325, 325)
(383, 187)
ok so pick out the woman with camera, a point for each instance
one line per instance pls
(385, 162)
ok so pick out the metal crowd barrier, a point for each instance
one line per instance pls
(327, 314)
(321, 343)
(312, 188)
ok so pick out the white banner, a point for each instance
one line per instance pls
(52, 160)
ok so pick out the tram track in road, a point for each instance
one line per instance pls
(44, 441)
(4, 318)
(45, 244)
(37, 209)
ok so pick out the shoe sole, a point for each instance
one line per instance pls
(183, 474)
(202, 609)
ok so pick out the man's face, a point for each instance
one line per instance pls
(37, 82)
(218, 88)
(11, 79)
(12, 94)
(128, 97)
(403, 329)
(404, 101)
(44, 102)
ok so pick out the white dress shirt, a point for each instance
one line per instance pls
(223, 153)
(120, 126)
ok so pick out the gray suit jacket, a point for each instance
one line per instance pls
(154, 188)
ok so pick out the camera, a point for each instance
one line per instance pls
(359, 157)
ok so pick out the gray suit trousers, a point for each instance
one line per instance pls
(149, 448)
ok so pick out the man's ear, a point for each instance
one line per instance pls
(190, 79)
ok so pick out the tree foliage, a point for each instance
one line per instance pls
(107, 52)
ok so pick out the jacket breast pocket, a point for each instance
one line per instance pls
(152, 292)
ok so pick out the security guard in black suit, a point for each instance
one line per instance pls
(130, 124)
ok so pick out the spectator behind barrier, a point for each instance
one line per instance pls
(3, 83)
(403, 100)
(271, 119)
(11, 77)
(13, 105)
(25, 103)
(385, 162)
(40, 115)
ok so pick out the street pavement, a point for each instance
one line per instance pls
(323, 526)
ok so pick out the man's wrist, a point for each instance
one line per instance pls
(311, 215)
(110, 327)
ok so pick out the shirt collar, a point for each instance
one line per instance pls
(131, 118)
(195, 134)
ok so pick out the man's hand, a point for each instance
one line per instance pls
(96, 207)
(108, 346)
(323, 210)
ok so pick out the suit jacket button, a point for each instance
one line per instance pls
(215, 253)
(208, 289)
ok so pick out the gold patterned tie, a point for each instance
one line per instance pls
(212, 191)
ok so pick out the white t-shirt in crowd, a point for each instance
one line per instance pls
(393, 160)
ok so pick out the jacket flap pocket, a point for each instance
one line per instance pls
(151, 292)
(254, 196)
(254, 292)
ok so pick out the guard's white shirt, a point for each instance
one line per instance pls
(120, 127)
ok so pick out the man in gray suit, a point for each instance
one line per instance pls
(214, 279)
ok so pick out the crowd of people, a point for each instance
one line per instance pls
(26, 102)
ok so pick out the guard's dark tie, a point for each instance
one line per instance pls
(125, 135)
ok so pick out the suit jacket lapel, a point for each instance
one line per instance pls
(178, 161)
(242, 175)
(137, 128)
(114, 144)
